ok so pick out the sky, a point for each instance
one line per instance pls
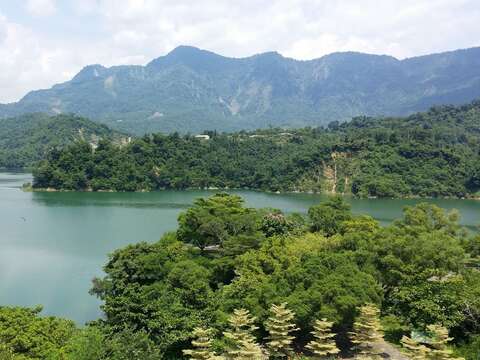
(44, 42)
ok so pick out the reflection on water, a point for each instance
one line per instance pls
(109, 200)
(53, 244)
(13, 180)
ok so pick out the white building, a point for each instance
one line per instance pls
(202, 137)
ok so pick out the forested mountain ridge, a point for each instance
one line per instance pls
(190, 90)
(430, 154)
(26, 139)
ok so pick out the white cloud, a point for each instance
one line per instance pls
(29, 63)
(84, 7)
(41, 7)
(136, 31)
(297, 28)
(3, 29)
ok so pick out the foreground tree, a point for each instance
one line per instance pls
(275, 223)
(6, 353)
(439, 342)
(157, 289)
(220, 221)
(243, 344)
(279, 326)
(295, 270)
(130, 344)
(367, 331)
(201, 346)
(88, 344)
(413, 349)
(328, 216)
(26, 334)
(323, 344)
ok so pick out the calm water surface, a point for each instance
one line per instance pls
(53, 244)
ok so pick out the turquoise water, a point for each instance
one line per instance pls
(53, 244)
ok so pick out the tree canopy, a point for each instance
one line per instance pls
(411, 276)
(430, 154)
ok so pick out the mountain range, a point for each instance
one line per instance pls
(191, 90)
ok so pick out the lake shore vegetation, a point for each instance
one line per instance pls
(239, 283)
(431, 154)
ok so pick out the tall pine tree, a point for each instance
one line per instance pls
(414, 350)
(439, 341)
(323, 344)
(244, 346)
(279, 326)
(201, 346)
(367, 331)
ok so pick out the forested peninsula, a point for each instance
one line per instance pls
(26, 139)
(240, 283)
(431, 154)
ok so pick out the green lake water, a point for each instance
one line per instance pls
(53, 244)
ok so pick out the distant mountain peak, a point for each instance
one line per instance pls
(187, 50)
(270, 54)
(89, 72)
(352, 55)
(186, 55)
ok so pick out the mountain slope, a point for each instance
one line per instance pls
(190, 90)
(26, 139)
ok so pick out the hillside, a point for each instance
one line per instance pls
(190, 90)
(431, 154)
(25, 139)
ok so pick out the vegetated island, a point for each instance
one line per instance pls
(431, 154)
(239, 283)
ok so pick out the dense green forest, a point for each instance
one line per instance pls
(431, 154)
(26, 139)
(239, 283)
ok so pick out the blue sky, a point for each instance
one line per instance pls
(43, 42)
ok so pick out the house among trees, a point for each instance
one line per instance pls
(202, 137)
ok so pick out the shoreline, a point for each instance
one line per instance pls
(310, 192)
